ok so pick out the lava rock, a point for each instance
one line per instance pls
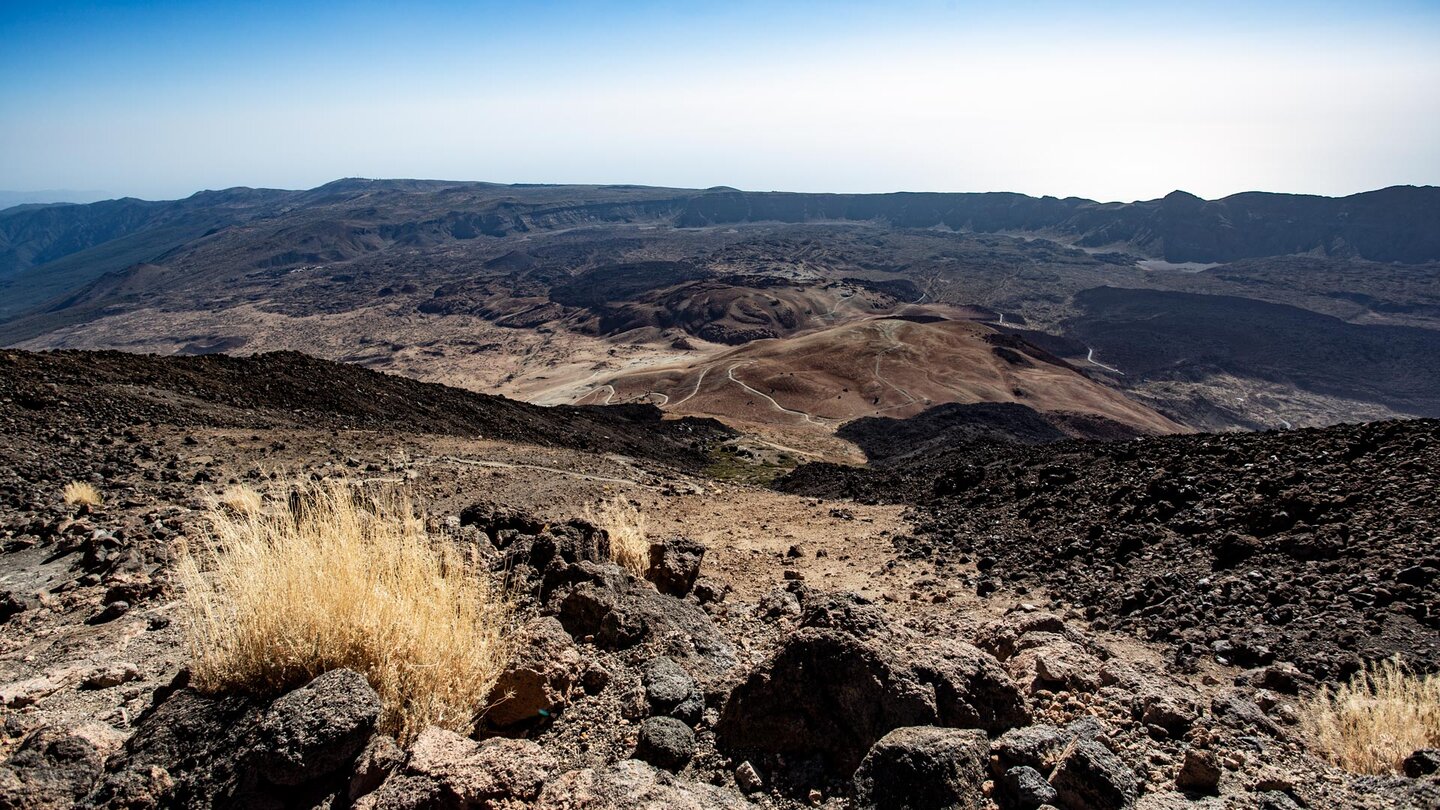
(1090, 777)
(471, 774)
(1026, 788)
(632, 783)
(675, 564)
(602, 602)
(826, 693)
(52, 768)
(670, 690)
(665, 742)
(317, 729)
(1422, 763)
(539, 679)
(922, 768)
(380, 757)
(1200, 772)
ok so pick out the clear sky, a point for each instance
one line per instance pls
(1108, 100)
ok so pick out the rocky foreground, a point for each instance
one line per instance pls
(761, 679)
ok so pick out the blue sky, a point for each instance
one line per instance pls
(1109, 100)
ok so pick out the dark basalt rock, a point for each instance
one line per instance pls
(830, 695)
(51, 768)
(235, 752)
(665, 742)
(924, 768)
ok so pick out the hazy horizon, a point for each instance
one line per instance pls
(1120, 101)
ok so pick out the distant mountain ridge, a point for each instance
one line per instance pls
(48, 250)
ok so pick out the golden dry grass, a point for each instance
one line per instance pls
(1369, 725)
(335, 578)
(625, 525)
(241, 499)
(79, 493)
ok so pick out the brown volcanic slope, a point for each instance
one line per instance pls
(883, 366)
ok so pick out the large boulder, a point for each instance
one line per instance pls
(823, 692)
(539, 678)
(187, 752)
(631, 783)
(924, 768)
(665, 742)
(848, 612)
(195, 750)
(670, 690)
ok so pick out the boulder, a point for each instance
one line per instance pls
(1422, 763)
(670, 690)
(1046, 661)
(601, 603)
(924, 768)
(539, 679)
(972, 689)
(823, 693)
(1090, 777)
(405, 792)
(675, 565)
(1032, 746)
(187, 752)
(52, 768)
(632, 783)
(194, 750)
(315, 730)
(1025, 788)
(1199, 772)
(665, 742)
(1172, 712)
(848, 612)
(470, 774)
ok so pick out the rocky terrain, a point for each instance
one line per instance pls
(780, 650)
(1255, 311)
(1310, 547)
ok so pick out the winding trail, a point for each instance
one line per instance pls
(506, 465)
(1090, 358)
(730, 372)
(911, 400)
(698, 380)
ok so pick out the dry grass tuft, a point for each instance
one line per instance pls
(624, 524)
(337, 578)
(241, 500)
(1369, 725)
(79, 493)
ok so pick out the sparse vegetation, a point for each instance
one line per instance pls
(1369, 725)
(335, 577)
(79, 493)
(624, 524)
(728, 465)
(241, 499)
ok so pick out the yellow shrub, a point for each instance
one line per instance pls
(335, 578)
(1372, 723)
(79, 493)
(241, 499)
(625, 526)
